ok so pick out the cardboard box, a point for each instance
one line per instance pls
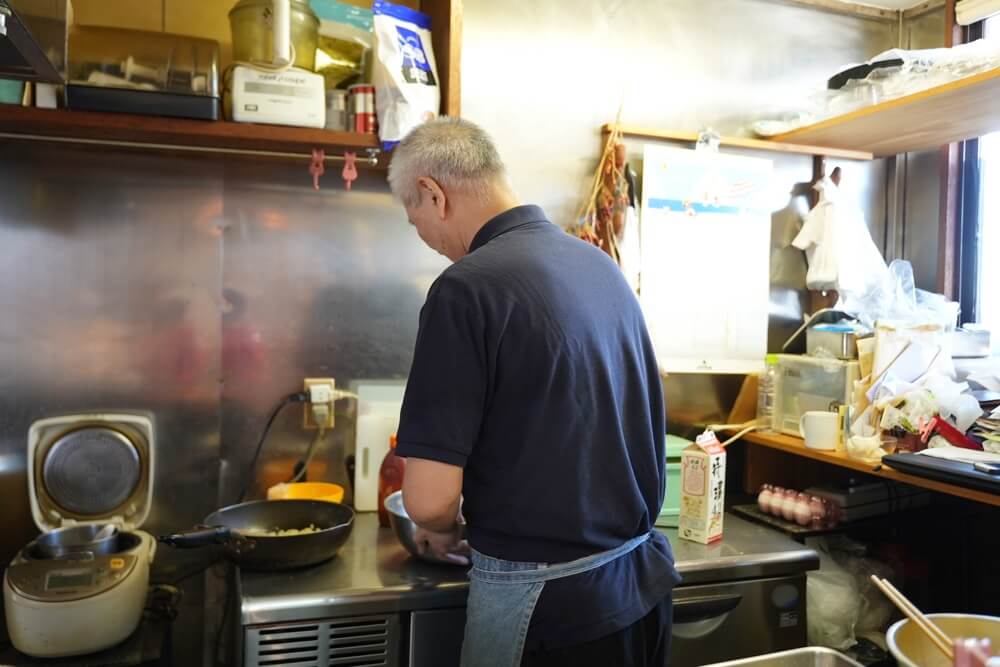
(703, 490)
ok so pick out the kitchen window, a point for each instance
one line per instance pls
(986, 299)
(978, 272)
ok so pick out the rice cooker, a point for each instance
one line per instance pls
(81, 586)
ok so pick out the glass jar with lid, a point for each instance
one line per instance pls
(252, 26)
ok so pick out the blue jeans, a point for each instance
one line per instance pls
(502, 598)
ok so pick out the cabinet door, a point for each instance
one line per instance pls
(719, 622)
(436, 637)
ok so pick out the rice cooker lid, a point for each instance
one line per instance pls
(93, 468)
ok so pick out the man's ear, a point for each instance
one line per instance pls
(429, 188)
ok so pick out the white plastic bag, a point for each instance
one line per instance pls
(405, 74)
(841, 601)
(832, 605)
(838, 245)
(896, 298)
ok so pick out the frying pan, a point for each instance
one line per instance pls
(236, 527)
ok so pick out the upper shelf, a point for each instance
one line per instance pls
(931, 118)
(741, 142)
(164, 133)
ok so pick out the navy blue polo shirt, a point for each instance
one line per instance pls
(533, 371)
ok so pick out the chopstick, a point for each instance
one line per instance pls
(885, 370)
(877, 380)
(942, 641)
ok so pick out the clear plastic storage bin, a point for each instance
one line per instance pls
(811, 383)
(135, 71)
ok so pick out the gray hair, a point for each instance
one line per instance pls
(455, 153)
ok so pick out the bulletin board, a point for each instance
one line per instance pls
(705, 259)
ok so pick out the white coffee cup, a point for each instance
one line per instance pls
(820, 430)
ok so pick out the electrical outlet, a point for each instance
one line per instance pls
(321, 392)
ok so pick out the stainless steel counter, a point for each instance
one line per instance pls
(374, 575)
(747, 551)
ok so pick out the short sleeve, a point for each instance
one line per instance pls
(445, 393)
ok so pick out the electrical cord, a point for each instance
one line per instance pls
(321, 415)
(739, 435)
(195, 571)
(746, 427)
(302, 466)
(164, 602)
(297, 397)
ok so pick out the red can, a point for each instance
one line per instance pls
(361, 106)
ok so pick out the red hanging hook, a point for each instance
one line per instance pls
(350, 172)
(318, 166)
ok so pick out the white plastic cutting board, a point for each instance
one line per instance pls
(379, 402)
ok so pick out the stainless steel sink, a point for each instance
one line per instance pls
(800, 657)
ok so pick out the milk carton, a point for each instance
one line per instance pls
(703, 490)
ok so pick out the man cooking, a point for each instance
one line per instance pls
(535, 394)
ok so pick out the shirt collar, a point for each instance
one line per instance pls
(506, 221)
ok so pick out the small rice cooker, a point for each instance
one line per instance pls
(81, 586)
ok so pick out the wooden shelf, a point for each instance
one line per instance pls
(742, 142)
(931, 118)
(159, 132)
(792, 445)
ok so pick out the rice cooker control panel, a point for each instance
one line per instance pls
(66, 580)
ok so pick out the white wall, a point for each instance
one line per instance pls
(542, 76)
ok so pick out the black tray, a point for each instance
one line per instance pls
(145, 102)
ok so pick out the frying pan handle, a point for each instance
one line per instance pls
(202, 536)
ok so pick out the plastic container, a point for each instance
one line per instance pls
(138, 71)
(766, 388)
(11, 91)
(331, 493)
(250, 22)
(670, 513)
(390, 479)
(805, 384)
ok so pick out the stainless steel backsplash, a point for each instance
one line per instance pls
(202, 291)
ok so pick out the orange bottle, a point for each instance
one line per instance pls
(390, 479)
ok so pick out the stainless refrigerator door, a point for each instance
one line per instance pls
(718, 622)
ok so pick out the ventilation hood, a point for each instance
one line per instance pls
(33, 40)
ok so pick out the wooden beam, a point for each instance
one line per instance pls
(446, 35)
(951, 172)
(160, 130)
(923, 8)
(741, 142)
(848, 8)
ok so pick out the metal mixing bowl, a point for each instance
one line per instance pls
(911, 647)
(813, 656)
(404, 528)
